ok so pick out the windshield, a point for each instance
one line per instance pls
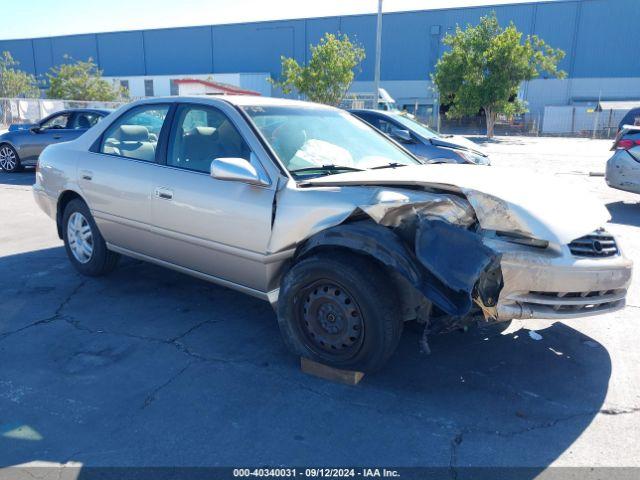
(319, 141)
(415, 126)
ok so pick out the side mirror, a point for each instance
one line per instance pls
(36, 129)
(236, 170)
(401, 135)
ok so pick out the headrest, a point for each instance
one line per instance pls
(205, 130)
(132, 133)
(83, 122)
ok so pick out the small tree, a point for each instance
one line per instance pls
(329, 74)
(14, 82)
(486, 65)
(82, 81)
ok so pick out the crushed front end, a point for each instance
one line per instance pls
(562, 280)
(458, 254)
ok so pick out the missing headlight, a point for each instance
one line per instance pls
(513, 237)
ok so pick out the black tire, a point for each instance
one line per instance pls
(17, 166)
(102, 260)
(323, 291)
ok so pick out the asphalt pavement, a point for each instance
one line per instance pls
(149, 367)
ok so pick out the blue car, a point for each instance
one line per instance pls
(420, 140)
(632, 117)
(22, 144)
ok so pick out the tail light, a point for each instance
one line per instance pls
(626, 144)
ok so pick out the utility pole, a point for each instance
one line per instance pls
(376, 77)
(597, 115)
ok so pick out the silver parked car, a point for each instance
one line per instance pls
(426, 144)
(345, 232)
(623, 168)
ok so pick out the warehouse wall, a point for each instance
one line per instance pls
(599, 36)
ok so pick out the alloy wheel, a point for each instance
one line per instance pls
(8, 158)
(80, 237)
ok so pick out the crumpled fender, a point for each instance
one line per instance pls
(459, 259)
(372, 239)
(448, 263)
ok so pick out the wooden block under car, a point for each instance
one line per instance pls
(348, 377)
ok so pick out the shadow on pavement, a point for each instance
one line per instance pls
(148, 367)
(26, 177)
(624, 213)
(500, 140)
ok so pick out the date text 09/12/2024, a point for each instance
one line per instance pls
(316, 472)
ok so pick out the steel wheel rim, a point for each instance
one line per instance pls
(80, 237)
(331, 320)
(7, 158)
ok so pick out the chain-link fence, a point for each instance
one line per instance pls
(569, 120)
(20, 111)
(582, 121)
(526, 125)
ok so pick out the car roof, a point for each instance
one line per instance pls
(254, 100)
(77, 110)
(371, 111)
(237, 100)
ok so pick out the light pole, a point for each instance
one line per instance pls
(376, 76)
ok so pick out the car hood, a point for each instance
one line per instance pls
(503, 199)
(456, 141)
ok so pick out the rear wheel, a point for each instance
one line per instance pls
(83, 242)
(339, 310)
(9, 160)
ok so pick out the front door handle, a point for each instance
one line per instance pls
(164, 193)
(86, 175)
(57, 137)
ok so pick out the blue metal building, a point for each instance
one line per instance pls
(600, 38)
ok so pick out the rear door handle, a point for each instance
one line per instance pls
(86, 175)
(57, 137)
(164, 193)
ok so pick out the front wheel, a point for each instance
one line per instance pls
(83, 242)
(9, 160)
(340, 310)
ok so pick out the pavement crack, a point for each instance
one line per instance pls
(552, 423)
(152, 396)
(192, 329)
(453, 456)
(57, 315)
(173, 342)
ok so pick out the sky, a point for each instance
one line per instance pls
(44, 18)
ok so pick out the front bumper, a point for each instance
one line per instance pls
(559, 285)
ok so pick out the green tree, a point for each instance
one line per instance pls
(82, 81)
(486, 64)
(15, 82)
(328, 76)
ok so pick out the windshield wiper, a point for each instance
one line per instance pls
(327, 168)
(389, 165)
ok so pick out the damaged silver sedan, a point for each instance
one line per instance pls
(346, 233)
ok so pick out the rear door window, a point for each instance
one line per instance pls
(135, 134)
